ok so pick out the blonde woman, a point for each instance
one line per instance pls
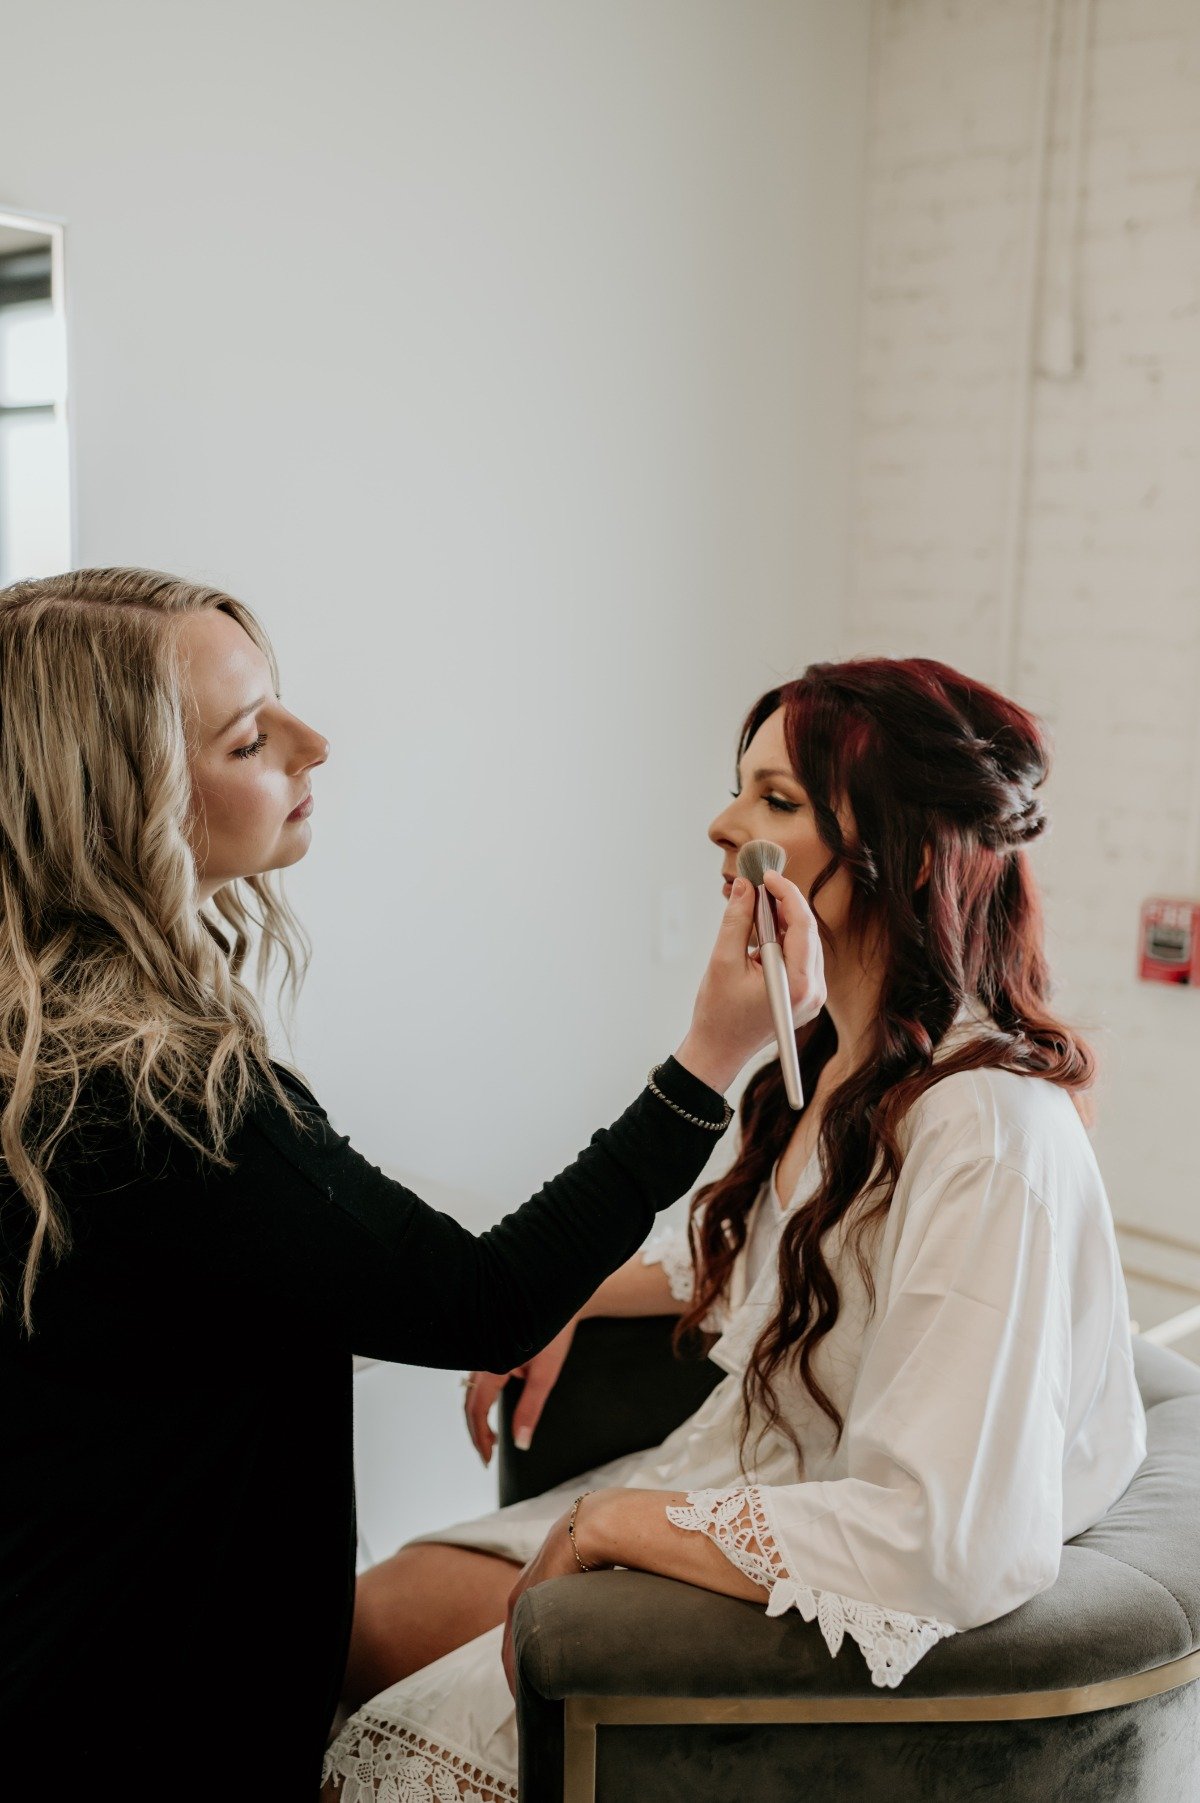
(189, 1254)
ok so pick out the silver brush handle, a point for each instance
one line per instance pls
(775, 972)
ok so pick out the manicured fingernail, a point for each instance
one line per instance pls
(522, 1438)
(739, 888)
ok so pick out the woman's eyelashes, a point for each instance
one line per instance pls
(248, 751)
(776, 803)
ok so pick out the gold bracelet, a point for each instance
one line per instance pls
(571, 1530)
(695, 1119)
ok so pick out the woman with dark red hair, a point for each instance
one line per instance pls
(914, 1281)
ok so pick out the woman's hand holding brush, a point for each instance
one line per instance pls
(732, 1017)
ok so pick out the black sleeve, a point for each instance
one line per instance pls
(335, 1247)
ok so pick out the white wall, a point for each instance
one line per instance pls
(1109, 577)
(500, 357)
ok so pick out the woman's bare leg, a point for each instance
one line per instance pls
(422, 1602)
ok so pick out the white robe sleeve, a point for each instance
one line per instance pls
(671, 1249)
(950, 1512)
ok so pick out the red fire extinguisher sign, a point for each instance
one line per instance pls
(1170, 941)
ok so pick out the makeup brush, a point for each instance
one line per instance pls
(753, 862)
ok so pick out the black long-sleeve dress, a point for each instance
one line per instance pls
(176, 1483)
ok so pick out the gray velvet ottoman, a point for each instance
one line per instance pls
(641, 1689)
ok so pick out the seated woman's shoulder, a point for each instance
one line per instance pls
(1001, 1117)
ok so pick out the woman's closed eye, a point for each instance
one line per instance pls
(248, 751)
(776, 803)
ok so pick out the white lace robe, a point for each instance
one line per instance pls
(990, 1411)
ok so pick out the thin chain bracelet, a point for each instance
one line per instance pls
(696, 1119)
(571, 1530)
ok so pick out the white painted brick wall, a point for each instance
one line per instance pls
(1109, 651)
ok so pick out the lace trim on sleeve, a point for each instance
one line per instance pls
(891, 1641)
(673, 1252)
(377, 1761)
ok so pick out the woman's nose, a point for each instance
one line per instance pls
(314, 750)
(719, 831)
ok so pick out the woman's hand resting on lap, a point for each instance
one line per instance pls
(553, 1559)
(630, 1528)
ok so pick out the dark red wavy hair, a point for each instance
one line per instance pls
(932, 765)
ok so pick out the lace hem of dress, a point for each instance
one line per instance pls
(377, 1761)
(891, 1641)
(673, 1253)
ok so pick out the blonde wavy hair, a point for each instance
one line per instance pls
(108, 961)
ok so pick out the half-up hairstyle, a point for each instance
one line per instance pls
(108, 963)
(941, 775)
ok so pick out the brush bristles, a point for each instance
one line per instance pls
(759, 856)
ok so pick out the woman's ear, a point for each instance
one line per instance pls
(926, 865)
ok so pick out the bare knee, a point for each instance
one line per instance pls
(416, 1606)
